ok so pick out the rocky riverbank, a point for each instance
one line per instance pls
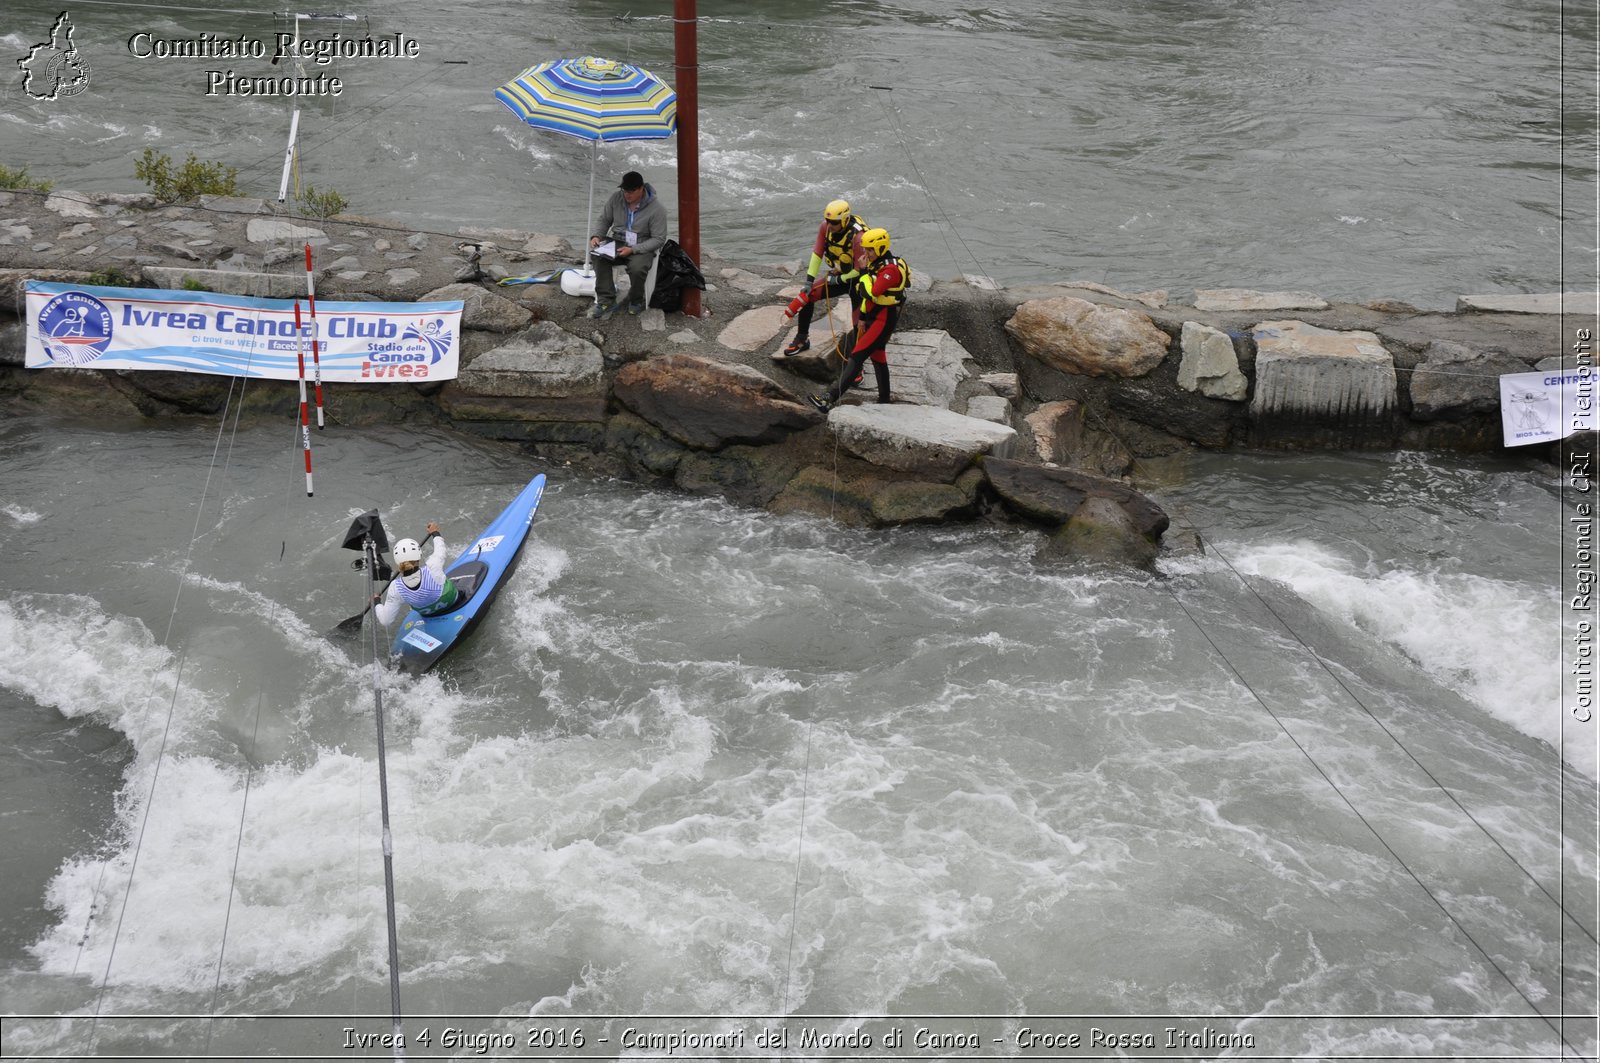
(1032, 404)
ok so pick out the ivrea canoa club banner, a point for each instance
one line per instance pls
(88, 327)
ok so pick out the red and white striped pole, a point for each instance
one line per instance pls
(305, 421)
(316, 359)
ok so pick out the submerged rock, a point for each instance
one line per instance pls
(1054, 496)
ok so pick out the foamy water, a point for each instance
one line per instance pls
(1496, 642)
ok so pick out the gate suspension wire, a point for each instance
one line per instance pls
(249, 779)
(794, 904)
(1376, 834)
(166, 731)
(927, 190)
(1324, 665)
(1426, 771)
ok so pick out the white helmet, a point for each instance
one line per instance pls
(407, 550)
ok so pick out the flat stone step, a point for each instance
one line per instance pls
(929, 443)
(1545, 303)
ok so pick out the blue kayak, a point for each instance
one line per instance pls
(478, 574)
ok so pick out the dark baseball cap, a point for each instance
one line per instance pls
(631, 180)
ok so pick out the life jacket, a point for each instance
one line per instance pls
(429, 598)
(840, 247)
(869, 302)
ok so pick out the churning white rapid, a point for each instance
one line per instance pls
(702, 761)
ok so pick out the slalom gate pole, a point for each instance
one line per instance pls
(316, 358)
(371, 550)
(305, 422)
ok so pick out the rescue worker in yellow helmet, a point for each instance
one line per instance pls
(877, 294)
(835, 248)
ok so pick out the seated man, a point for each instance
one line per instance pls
(637, 221)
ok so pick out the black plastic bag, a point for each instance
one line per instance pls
(675, 271)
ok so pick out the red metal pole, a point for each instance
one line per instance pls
(685, 50)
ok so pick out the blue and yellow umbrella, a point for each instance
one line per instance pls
(596, 100)
(593, 99)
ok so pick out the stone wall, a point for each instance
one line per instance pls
(1074, 380)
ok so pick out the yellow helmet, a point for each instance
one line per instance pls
(838, 210)
(875, 242)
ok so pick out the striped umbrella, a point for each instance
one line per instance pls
(593, 99)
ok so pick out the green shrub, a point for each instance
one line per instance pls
(189, 182)
(111, 277)
(314, 204)
(19, 181)
(191, 285)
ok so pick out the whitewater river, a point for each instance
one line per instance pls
(704, 768)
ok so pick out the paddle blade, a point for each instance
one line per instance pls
(349, 627)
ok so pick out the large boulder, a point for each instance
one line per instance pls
(1054, 496)
(918, 502)
(708, 404)
(481, 309)
(541, 374)
(859, 495)
(645, 450)
(821, 492)
(928, 443)
(753, 329)
(1077, 336)
(926, 366)
(1454, 381)
(748, 476)
(1210, 365)
(1102, 530)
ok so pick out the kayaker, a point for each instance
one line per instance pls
(423, 587)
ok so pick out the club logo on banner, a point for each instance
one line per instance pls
(1544, 407)
(75, 328)
(227, 335)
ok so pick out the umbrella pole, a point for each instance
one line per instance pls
(588, 219)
